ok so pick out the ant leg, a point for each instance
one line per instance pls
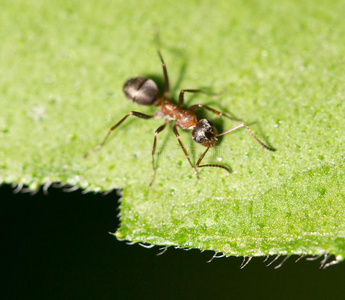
(241, 124)
(166, 78)
(181, 95)
(161, 128)
(209, 165)
(184, 150)
(218, 113)
(132, 113)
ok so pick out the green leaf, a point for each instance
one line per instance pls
(281, 64)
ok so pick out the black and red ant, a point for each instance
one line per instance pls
(144, 91)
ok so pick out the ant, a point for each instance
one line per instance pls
(144, 91)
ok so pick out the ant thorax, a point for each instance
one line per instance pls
(184, 119)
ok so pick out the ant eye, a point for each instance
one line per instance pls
(200, 139)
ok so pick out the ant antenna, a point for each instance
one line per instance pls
(251, 133)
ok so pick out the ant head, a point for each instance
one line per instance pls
(205, 133)
(141, 90)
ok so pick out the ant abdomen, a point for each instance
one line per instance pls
(141, 90)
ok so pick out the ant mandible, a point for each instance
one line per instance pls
(144, 91)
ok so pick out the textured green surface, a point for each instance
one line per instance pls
(63, 64)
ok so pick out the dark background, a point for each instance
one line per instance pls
(58, 246)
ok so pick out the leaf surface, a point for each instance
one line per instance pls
(281, 65)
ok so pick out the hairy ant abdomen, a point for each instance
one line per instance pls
(141, 90)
